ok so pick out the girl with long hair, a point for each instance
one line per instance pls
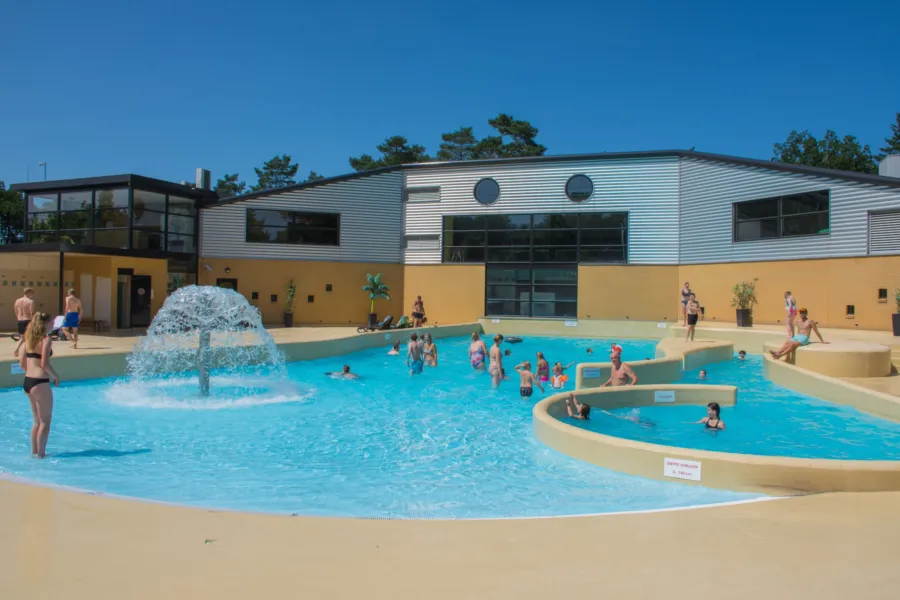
(35, 361)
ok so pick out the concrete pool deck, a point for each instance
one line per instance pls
(62, 544)
(59, 543)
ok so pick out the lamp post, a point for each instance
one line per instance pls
(44, 164)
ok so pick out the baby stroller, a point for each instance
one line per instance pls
(56, 331)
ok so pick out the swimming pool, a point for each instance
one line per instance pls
(767, 420)
(439, 445)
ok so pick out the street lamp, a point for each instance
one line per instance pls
(43, 164)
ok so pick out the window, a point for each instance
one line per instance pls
(291, 227)
(579, 188)
(531, 291)
(422, 194)
(782, 216)
(487, 191)
(541, 238)
(422, 242)
(111, 218)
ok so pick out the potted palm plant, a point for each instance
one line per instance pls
(744, 298)
(895, 318)
(376, 289)
(290, 295)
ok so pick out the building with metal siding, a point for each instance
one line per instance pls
(709, 190)
(370, 222)
(645, 188)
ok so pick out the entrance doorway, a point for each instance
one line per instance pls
(230, 284)
(140, 301)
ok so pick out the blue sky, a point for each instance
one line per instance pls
(96, 88)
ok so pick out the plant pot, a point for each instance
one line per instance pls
(288, 319)
(373, 320)
(744, 317)
(895, 321)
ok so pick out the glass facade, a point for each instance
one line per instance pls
(782, 216)
(531, 291)
(113, 218)
(293, 227)
(541, 238)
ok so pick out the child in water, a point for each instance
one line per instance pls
(559, 378)
(527, 380)
(395, 351)
(576, 409)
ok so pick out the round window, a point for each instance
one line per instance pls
(579, 188)
(487, 191)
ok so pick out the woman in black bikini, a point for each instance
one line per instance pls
(712, 420)
(35, 361)
(685, 296)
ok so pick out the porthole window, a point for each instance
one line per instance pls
(487, 191)
(579, 188)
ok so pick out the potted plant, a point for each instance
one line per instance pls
(376, 289)
(744, 298)
(290, 294)
(895, 318)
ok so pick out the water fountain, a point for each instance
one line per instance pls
(205, 329)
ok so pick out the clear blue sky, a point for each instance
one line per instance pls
(97, 88)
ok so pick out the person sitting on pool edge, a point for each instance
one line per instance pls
(804, 328)
(527, 380)
(712, 420)
(343, 374)
(577, 410)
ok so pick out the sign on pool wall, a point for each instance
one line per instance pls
(590, 373)
(664, 396)
(680, 468)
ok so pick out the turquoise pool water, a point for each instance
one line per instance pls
(439, 445)
(767, 419)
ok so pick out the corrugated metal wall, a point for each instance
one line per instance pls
(708, 190)
(647, 188)
(371, 222)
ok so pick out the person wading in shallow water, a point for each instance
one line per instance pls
(620, 374)
(495, 368)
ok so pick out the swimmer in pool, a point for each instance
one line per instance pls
(559, 378)
(543, 368)
(576, 409)
(395, 351)
(703, 376)
(414, 355)
(712, 420)
(495, 366)
(477, 352)
(742, 355)
(527, 379)
(429, 350)
(343, 374)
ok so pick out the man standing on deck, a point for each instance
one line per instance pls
(24, 308)
(73, 317)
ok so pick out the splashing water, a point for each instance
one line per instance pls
(202, 330)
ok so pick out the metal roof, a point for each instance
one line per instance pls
(722, 158)
(107, 181)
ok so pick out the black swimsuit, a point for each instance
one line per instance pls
(31, 382)
(708, 426)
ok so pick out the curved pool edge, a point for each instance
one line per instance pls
(17, 480)
(770, 475)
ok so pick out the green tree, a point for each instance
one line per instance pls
(229, 185)
(892, 144)
(376, 289)
(395, 150)
(458, 145)
(276, 172)
(12, 215)
(521, 136)
(830, 152)
(313, 176)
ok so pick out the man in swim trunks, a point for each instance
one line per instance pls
(414, 355)
(527, 380)
(693, 315)
(24, 308)
(620, 374)
(804, 328)
(73, 317)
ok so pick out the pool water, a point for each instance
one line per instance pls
(438, 445)
(767, 420)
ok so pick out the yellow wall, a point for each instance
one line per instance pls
(825, 287)
(346, 304)
(108, 266)
(451, 293)
(38, 271)
(642, 293)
